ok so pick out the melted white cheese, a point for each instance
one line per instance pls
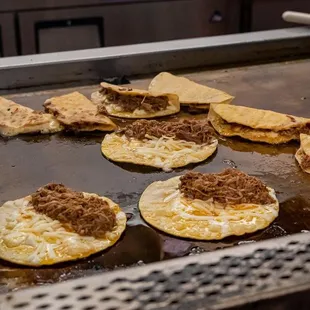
(220, 216)
(47, 237)
(165, 150)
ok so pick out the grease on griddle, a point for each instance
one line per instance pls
(59, 155)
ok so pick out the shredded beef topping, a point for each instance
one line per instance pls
(295, 131)
(229, 187)
(305, 160)
(131, 103)
(189, 130)
(305, 129)
(89, 216)
(195, 108)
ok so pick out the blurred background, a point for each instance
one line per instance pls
(41, 26)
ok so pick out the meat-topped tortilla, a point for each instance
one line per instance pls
(165, 145)
(77, 113)
(303, 153)
(209, 206)
(16, 119)
(56, 224)
(257, 125)
(134, 103)
(196, 96)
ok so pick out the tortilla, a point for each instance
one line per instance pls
(114, 110)
(164, 207)
(164, 153)
(256, 125)
(33, 239)
(190, 93)
(304, 150)
(78, 113)
(16, 119)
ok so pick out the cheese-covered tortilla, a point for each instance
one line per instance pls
(303, 154)
(255, 124)
(138, 144)
(165, 207)
(34, 239)
(78, 113)
(134, 103)
(16, 119)
(190, 93)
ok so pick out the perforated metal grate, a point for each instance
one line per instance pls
(212, 279)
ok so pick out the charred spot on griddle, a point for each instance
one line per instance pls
(118, 80)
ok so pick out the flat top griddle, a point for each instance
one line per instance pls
(30, 161)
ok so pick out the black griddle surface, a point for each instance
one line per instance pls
(28, 162)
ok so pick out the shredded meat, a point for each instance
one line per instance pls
(89, 216)
(195, 108)
(131, 103)
(189, 130)
(305, 160)
(296, 131)
(82, 125)
(228, 187)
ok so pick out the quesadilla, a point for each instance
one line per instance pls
(303, 153)
(56, 224)
(209, 206)
(134, 103)
(16, 119)
(75, 112)
(191, 94)
(165, 145)
(257, 125)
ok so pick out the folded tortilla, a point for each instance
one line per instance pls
(16, 119)
(190, 93)
(257, 125)
(135, 103)
(303, 154)
(78, 113)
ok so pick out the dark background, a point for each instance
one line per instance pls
(41, 26)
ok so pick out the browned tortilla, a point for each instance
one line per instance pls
(78, 113)
(16, 119)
